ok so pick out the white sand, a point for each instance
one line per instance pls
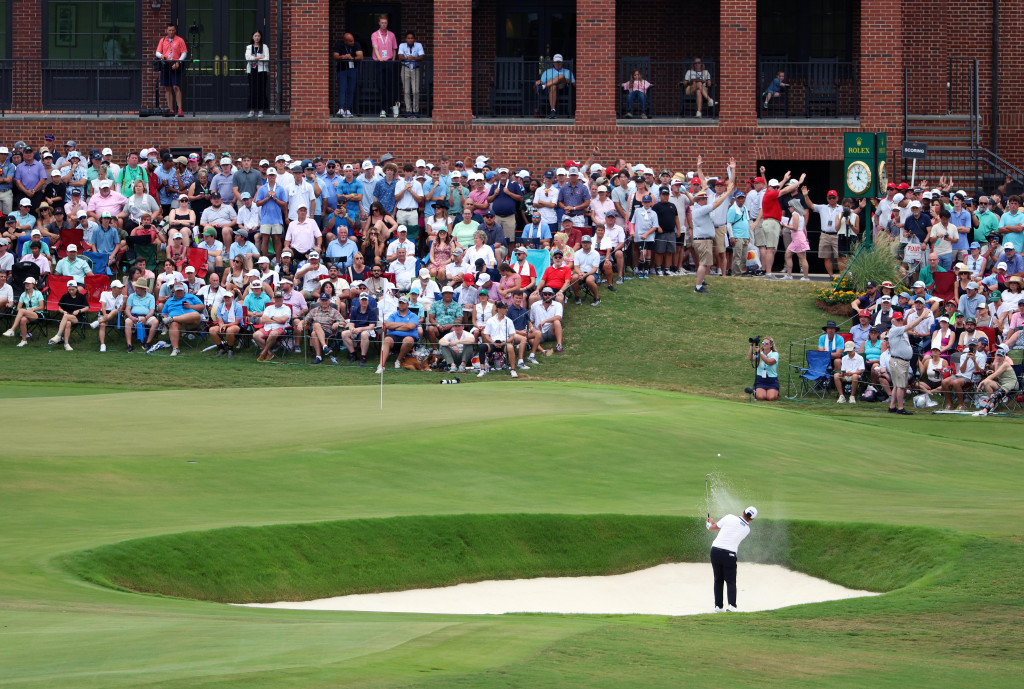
(676, 589)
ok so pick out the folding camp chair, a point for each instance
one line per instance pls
(23, 240)
(69, 235)
(99, 262)
(198, 259)
(95, 285)
(944, 285)
(816, 377)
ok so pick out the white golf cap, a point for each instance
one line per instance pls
(480, 161)
(347, 166)
(253, 273)
(773, 182)
(560, 171)
(264, 161)
(190, 269)
(3, 149)
(503, 169)
(523, 174)
(421, 163)
(107, 152)
(750, 511)
(81, 214)
(447, 289)
(272, 171)
(456, 174)
(367, 165)
(557, 57)
(263, 259)
(105, 184)
(117, 283)
(25, 202)
(225, 161)
(72, 247)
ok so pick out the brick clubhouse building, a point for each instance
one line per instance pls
(942, 74)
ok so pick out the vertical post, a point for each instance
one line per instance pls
(596, 92)
(737, 64)
(881, 54)
(453, 23)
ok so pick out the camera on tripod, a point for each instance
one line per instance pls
(755, 340)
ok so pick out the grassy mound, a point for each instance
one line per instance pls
(317, 560)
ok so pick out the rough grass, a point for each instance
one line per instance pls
(319, 560)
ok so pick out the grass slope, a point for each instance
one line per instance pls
(319, 560)
(654, 333)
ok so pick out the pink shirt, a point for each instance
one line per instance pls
(113, 203)
(479, 197)
(296, 301)
(302, 235)
(384, 47)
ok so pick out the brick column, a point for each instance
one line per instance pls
(453, 66)
(595, 63)
(737, 63)
(311, 68)
(881, 68)
(26, 44)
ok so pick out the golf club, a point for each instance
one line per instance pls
(707, 493)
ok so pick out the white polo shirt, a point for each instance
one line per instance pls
(854, 364)
(733, 530)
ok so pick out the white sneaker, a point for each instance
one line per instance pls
(175, 351)
(398, 365)
(731, 608)
(383, 114)
(103, 347)
(95, 324)
(348, 113)
(698, 114)
(252, 113)
(380, 370)
(67, 347)
(259, 114)
(532, 359)
(394, 111)
(983, 412)
(483, 372)
(853, 400)
(522, 364)
(22, 343)
(340, 113)
(711, 102)
(786, 277)
(9, 333)
(805, 279)
(513, 374)
(53, 340)
(841, 400)
(719, 609)
(453, 369)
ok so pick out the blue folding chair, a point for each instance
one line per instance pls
(815, 378)
(540, 259)
(98, 261)
(24, 239)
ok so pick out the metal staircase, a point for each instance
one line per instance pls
(954, 136)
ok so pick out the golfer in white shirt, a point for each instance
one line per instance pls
(731, 532)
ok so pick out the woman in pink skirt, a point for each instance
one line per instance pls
(798, 244)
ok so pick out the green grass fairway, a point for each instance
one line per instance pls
(80, 472)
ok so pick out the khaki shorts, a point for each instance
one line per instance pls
(771, 229)
(272, 229)
(758, 236)
(720, 234)
(703, 247)
(899, 372)
(828, 246)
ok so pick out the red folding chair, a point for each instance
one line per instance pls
(990, 333)
(944, 283)
(390, 277)
(95, 285)
(57, 286)
(70, 235)
(197, 258)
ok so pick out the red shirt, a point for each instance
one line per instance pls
(555, 278)
(526, 271)
(770, 205)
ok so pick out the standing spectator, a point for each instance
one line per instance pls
(669, 231)
(272, 199)
(408, 196)
(988, 222)
(798, 244)
(246, 179)
(172, 52)
(411, 54)
(224, 181)
(30, 177)
(6, 181)
(830, 214)
(504, 198)
(347, 55)
(739, 229)
(574, 198)
(167, 182)
(554, 78)
(942, 237)
(769, 220)
(704, 228)
(698, 81)
(1011, 224)
(257, 59)
(636, 90)
(385, 51)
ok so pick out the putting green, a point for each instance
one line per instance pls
(123, 466)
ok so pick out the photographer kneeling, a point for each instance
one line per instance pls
(766, 385)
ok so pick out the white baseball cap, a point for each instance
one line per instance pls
(557, 57)
(190, 269)
(3, 149)
(773, 182)
(117, 283)
(347, 166)
(421, 163)
(107, 152)
(225, 161)
(367, 165)
(72, 247)
(751, 512)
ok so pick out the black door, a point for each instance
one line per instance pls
(533, 31)
(217, 32)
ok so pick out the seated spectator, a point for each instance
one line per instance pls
(429, 289)
(774, 89)
(72, 306)
(457, 346)
(442, 315)
(228, 323)
(323, 322)
(177, 251)
(1013, 260)
(611, 240)
(182, 310)
(214, 250)
(494, 235)
(108, 239)
(1000, 383)
(508, 284)
(546, 317)
(850, 371)
(944, 338)
(221, 217)
(403, 268)
(361, 325)
(927, 271)
(454, 271)
(484, 307)
(698, 83)
(861, 329)
(249, 216)
(108, 200)
(284, 267)
(257, 298)
(399, 327)
(111, 304)
(36, 255)
(296, 301)
(303, 235)
(464, 230)
(244, 249)
(381, 221)
(138, 203)
(310, 275)
(481, 250)
(557, 276)
(526, 334)
(552, 80)
(30, 306)
(74, 266)
(140, 312)
(498, 335)
(440, 254)
(401, 241)
(636, 90)
(273, 321)
(342, 250)
(868, 299)
(584, 271)
(831, 342)
(536, 234)
(968, 372)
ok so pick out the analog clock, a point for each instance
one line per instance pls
(858, 177)
(883, 178)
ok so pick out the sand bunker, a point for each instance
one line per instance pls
(676, 589)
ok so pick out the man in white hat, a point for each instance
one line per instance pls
(731, 532)
(111, 302)
(554, 78)
(73, 265)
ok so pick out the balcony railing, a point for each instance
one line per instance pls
(817, 88)
(382, 85)
(507, 88)
(99, 87)
(673, 88)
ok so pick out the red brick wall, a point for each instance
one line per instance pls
(667, 32)
(596, 92)
(737, 67)
(452, 102)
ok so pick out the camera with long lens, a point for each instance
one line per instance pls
(755, 340)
